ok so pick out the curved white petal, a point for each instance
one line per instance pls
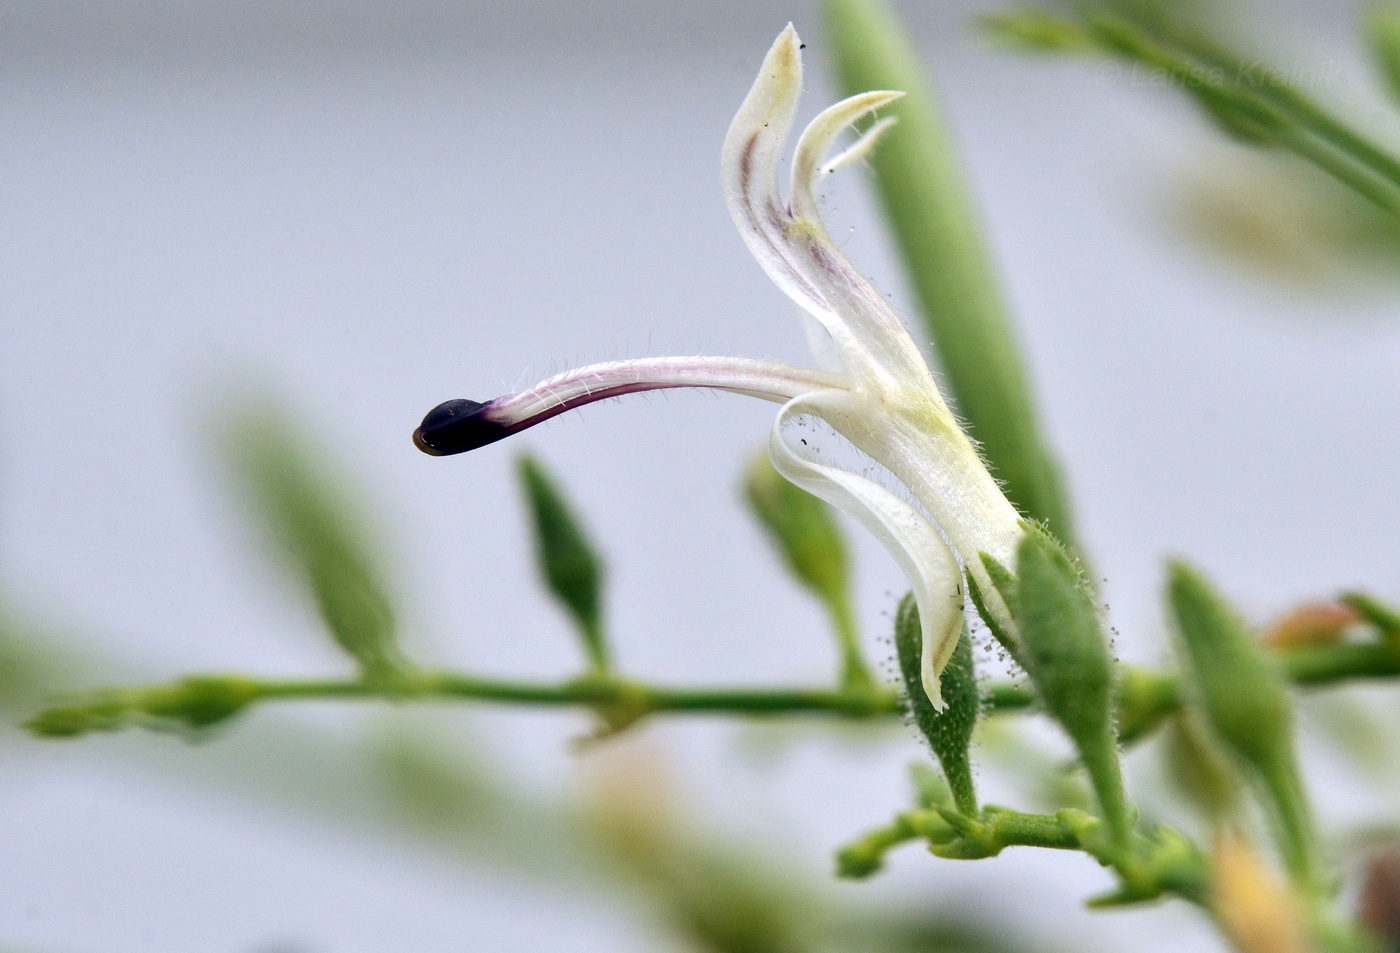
(749, 167)
(926, 560)
(808, 160)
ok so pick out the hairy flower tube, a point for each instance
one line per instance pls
(881, 396)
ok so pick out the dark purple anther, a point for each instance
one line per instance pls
(456, 427)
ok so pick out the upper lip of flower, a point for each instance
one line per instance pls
(883, 399)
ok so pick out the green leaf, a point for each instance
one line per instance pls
(1036, 30)
(568, 562)
(310, 516)
(1200, 770)
(1382, 616)
(949, 732)
(809, 540)
(1239, 691)
(929, 209)
(1065, 653)
(1246, 98)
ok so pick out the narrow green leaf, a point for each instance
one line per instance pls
(568, 562)
(809, 540)
(1066, 655)
(1036, 30)
(1246, 98)
(1382, 616)
(317, 527)
(928, 206)
(949, 732)
(1240, 693)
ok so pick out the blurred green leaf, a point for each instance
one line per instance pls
(1383, 34)
(807, 536)
(949, 732)
(1244, 96)
(1382, 616)
(1037, 30)
(309, 515)
(1199, 770)
(928, 206)
(1285, 221)
(1065, 652)
(567, 559)
(1240, 693)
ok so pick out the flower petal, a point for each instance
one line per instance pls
(808, 160)
(922, 554)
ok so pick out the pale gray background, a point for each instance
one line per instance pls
(381, 206)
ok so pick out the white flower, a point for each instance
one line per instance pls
(883, 398)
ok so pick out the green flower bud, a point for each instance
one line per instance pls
(1065, 653)
(1240, 693)
(949, 732)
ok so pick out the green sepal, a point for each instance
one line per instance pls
(1065, 653)
(1001, 577)
(568, 562)
(949, 732)
(979, 602)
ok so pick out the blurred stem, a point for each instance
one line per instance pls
(607, 690)
(855, 673)
(927, 205)
(1146, 697)
(1149, 866)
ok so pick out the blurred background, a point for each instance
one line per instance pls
(368, 208)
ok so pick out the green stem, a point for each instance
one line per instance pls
(1146, 697)
(606, 691)
(855, 673)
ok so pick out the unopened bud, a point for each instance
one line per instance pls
(949, 731)
(1256, 910)
(1317, 623)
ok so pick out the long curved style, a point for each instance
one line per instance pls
(883, 398)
